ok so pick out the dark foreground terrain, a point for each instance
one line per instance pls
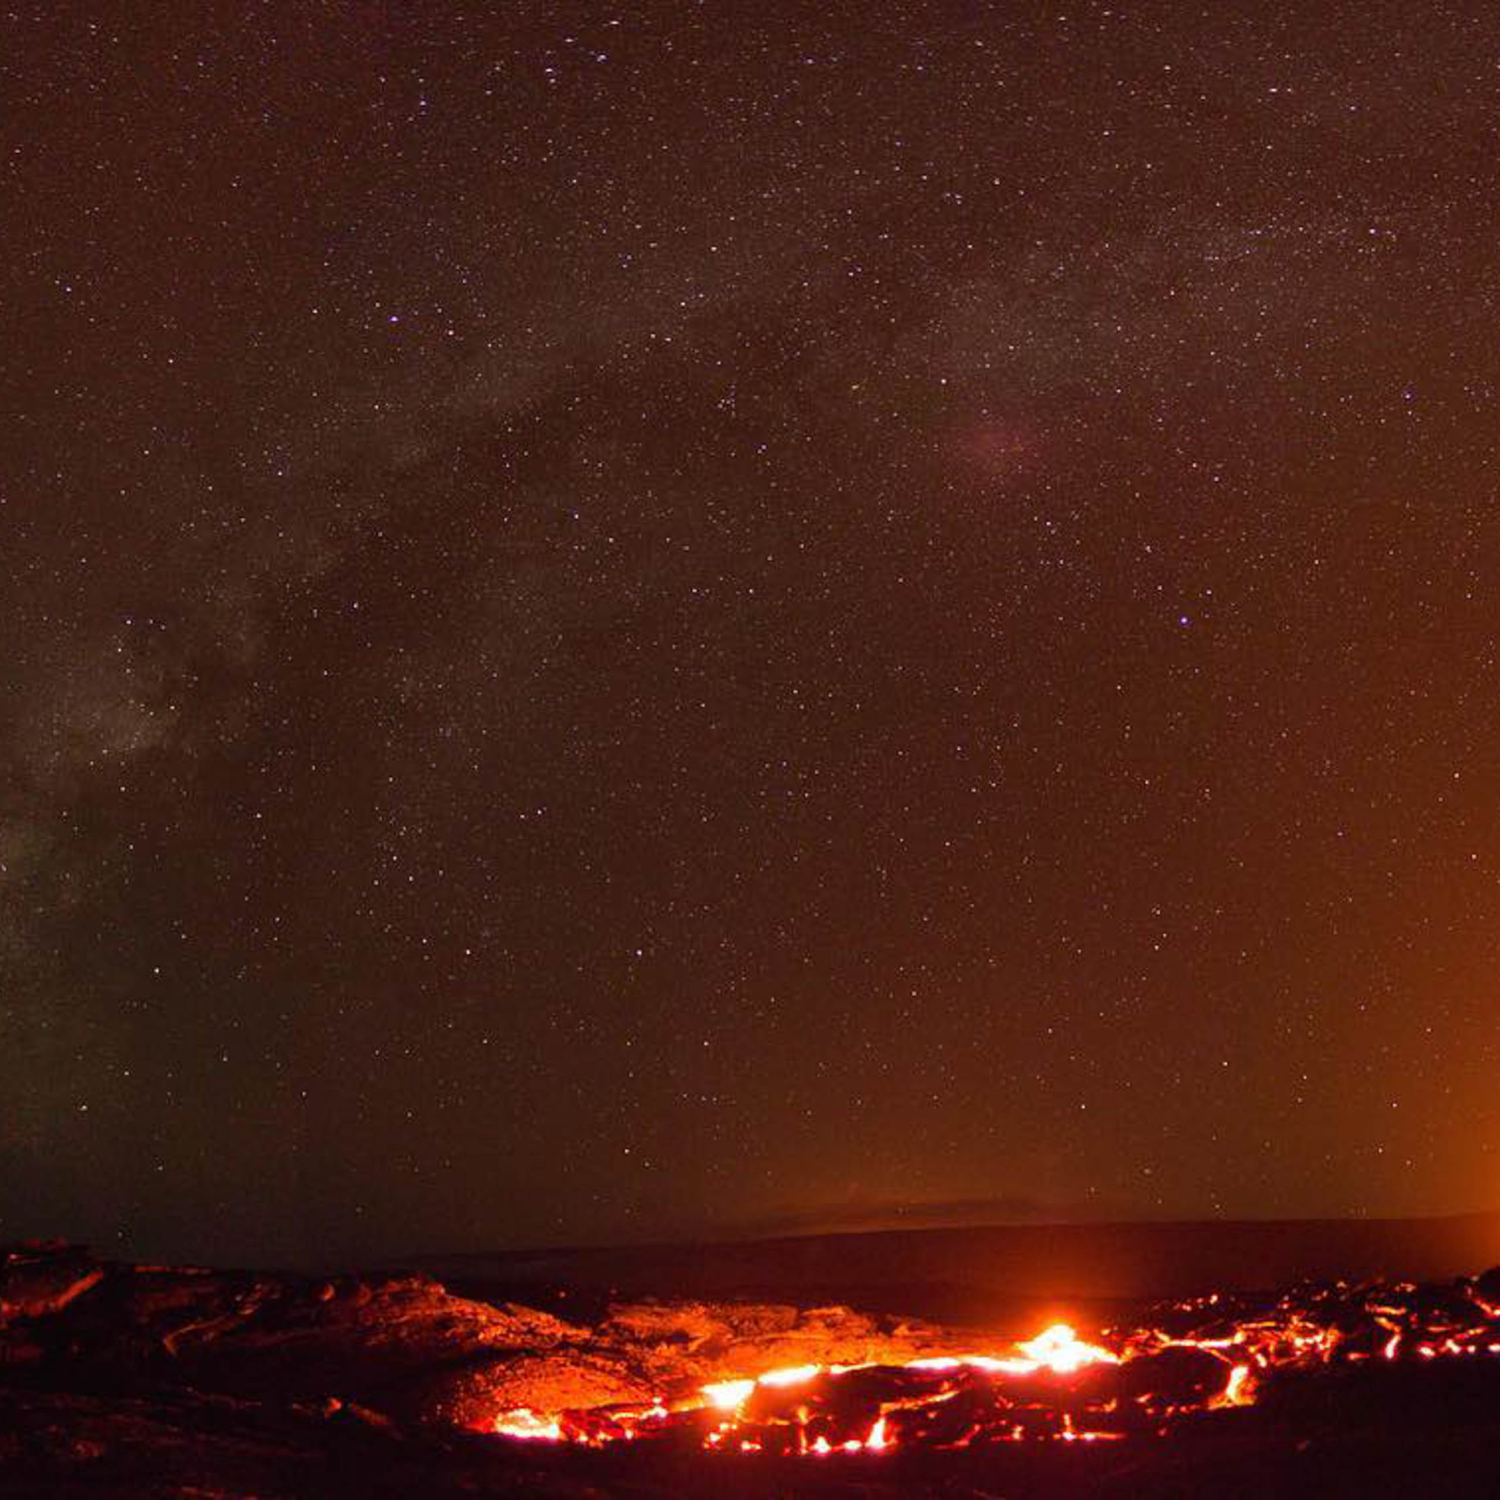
(120, 1380)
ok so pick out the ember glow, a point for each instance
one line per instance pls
(522, 1422)
(1188, 1360)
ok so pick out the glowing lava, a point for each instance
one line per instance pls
(729, 1395)
(1193, 1357)
(522, 1422)
(1060, 1350)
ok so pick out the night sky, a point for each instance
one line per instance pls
(695, 618)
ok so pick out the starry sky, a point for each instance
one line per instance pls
(687, 618)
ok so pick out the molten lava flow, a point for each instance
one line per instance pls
(522, 1422)
(1198, 1356)
(1062, 1352)
(1238, 1392)
(1056, 1348)
(795, 1376)
(729, 1395)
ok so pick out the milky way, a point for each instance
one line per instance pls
(672, 619)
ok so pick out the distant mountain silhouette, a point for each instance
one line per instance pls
(979, 1271)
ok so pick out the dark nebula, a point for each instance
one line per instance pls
(620, 623)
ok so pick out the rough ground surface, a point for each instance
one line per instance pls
(125, 1381)
(401, 1344)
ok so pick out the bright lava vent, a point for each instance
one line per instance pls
(1200, 1356)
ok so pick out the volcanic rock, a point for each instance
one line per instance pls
(649, 1349)
(402, 1344)
(388, 1342)
(36, 1280)
(135, 1381)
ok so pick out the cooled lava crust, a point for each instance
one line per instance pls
(122, 1380)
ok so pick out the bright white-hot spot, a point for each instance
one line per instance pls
(1060, 1350)
(793, 1376)
(1237, 1392)
(522, 1422)
(728, 1395)
(1056, 1348)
